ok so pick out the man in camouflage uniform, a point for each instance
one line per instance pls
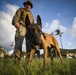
(19, 22)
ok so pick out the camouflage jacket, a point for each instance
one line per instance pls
(20, 15)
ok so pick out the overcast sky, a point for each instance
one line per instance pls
(55, 14)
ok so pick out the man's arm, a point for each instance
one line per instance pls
(16, 18)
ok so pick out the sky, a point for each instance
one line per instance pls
(55, 14)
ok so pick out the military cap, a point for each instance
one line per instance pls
(29, 3)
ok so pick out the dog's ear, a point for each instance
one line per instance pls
(27, 21)
(39, 21)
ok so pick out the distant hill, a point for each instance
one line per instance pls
(68, 50)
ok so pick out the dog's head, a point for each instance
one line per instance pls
(33, 32)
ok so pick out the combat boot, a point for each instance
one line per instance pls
(17, 57)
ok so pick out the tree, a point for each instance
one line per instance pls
(58, 32)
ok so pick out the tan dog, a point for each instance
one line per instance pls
(37, 40)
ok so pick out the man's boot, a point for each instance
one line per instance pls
(17, 57)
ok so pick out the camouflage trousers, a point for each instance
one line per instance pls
(19, 37)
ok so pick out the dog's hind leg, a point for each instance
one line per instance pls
(50, 53)
(58, 50)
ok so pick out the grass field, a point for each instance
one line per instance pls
(7, 67)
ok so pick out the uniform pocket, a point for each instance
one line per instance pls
(22, 30)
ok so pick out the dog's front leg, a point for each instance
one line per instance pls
(31, 55)
(45, 57)
(45, 52)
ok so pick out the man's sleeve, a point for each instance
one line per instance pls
(16, 17)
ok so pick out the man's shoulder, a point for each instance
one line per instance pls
(21, 9)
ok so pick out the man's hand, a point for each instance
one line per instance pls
(17, 25)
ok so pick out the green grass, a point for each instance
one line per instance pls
(7, 67)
